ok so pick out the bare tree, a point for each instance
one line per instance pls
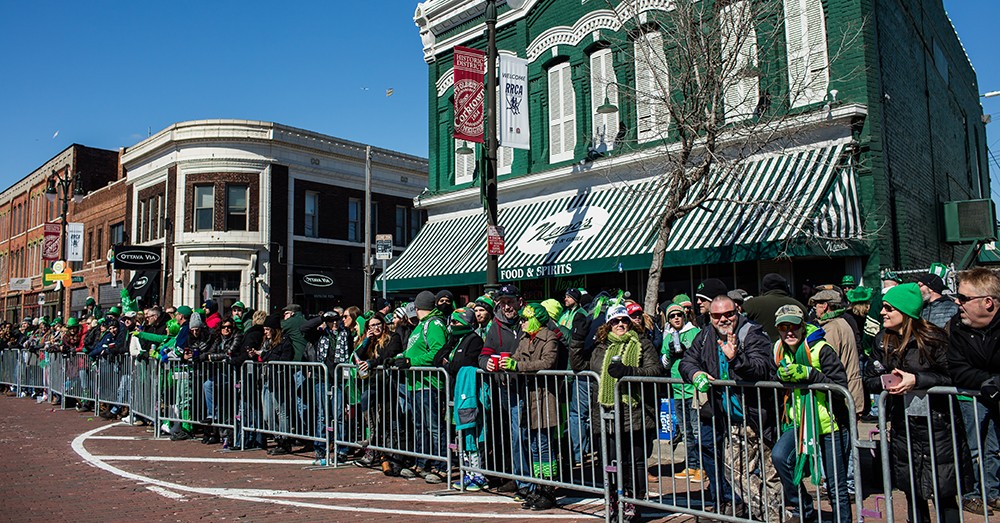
(712, 89)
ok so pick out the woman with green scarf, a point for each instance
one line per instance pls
(621, 350)
(816, 438)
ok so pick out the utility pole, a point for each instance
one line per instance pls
(368, 228)
(492, 260)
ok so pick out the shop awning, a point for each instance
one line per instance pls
(799, 202)
(317, 283)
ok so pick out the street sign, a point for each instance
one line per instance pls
(383, 246)
(494, 240)
(77, 279)
(20, 284)
(41, 298)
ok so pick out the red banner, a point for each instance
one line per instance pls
(50, 247)
(470, 65)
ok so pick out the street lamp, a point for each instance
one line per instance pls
(490, 180)
(64, 183)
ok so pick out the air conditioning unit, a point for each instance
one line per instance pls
(969, 221)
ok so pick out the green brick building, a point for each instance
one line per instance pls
(878, 124)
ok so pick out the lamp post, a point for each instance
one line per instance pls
(64, 183)
(490, 182)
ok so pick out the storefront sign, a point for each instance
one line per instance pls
(513, 103)
(537, 271)
(50, 247)
(564, 229)
(469, 93)
(74, 242)
(133, 257)
(494, 240)
(20, 284)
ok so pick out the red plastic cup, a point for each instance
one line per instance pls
(496, 362)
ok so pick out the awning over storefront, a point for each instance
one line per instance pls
(317, 283)
(799, 202)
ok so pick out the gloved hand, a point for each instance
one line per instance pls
(401, 363)
(701, 382)
(991, 389)
(509, 364)
(794, 372)
(619, 370)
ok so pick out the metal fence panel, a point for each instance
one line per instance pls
(56, 373)
(80, 374)
(113, 377)
(145, 389)
(32, 369)
(9, 363)
(281, 399)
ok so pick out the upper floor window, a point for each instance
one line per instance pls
(465, 163)
(808, 63)
(116, 234)
(399, 234)
(741, 88)
(236, 207)
(354, 220)
(651, 85)
(204, 204)
(603, 86)
(562, 114)
(417, 219)
(312, 214)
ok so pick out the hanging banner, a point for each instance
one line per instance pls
(50, 247)
(74, 242)
(513, 109)
(469, 70)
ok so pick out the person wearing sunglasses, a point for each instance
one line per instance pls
(910, 355)
(974, 363)
(622, 350)
(678, 335)
(733, 348)
(817, 440)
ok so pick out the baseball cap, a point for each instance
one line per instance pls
(509, 289)
(789, 314)
(616, 311)
(633, 308)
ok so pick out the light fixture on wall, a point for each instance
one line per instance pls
(464, 149)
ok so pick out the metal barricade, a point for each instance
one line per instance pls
(80, 376)
(401, 413)
(744, 441)
(9, 364)
(56, 368)
(113, 380)
(144, 397)
(281, 399)
(196, 393)
(939, 450)
(32, 369)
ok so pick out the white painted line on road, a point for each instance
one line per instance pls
(256, 494)
(122, 438)
(205, 460)
(166, 493)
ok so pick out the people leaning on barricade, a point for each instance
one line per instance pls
(460, 358)
(277, 395)
(733, 349)
(621, 350)
(376, 349)
(910, 356)
(678, 336)
(815, 443)
(974, 363)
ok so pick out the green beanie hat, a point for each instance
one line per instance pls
(536, 315)
(184, 310)
(553, 307)
(859, 295)
(486, 302)
(906, 299)
(847, 281)
(682, 300)
(674, 307)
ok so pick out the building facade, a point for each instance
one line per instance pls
(879, 124)
(264, 213)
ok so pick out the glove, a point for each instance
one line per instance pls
(991, 389)
(510, 365)
(619, 370)
(701, 382)
(794, 372)
(401, 363)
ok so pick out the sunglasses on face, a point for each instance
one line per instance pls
(675, 315)
(375, 325)
(784, 327)
(963, 299)
(725, 314)
(226, 327)
(620, 321)
(888, 308)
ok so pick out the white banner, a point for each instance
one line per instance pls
(74, 241)
(514, 102)
(20, 284)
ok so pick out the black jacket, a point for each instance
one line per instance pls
(762, 308)
(466, 354)
(973, 354)
(283, 351)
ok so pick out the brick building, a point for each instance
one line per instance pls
(24, 210)
(102, 213)
(885, 124)
(264, 213)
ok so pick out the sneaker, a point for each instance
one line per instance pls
(694, 475)
(180, 436)
(470, 484)
(130, 419)
(407, 473)
(976, 506)
(165, 427)
(994, 503)
(629, 512)
(433, 477)
(319, 462)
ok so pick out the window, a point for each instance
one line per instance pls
(311, 221)
(236, 207)
(204, 202)
(116, 234)
(562, 114)
(354, 220)
(808, 67)
(417, 219)
(603, 85)
(465, 164)
(153, 210)
(140, 231)
(90, 246)
(739, 58)
(651, 84)
(100, 244)
(399, 235)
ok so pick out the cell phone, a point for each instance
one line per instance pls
(890, 380)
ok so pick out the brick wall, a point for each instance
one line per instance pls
(220, 181)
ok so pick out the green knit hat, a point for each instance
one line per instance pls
(683, 300)
(184, 310)
(859, 295)
(906, 299)
(553, 307)
(674, 306)
(536, 315)
(486, 302)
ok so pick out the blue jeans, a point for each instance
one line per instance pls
(510, 402)
(687, 415)
(835, 448)
(579, 418)
(712, 447)
(425, 411)
(978, 420)
(208, 388)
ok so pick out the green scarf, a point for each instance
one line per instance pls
(630, 350)
(808, 461)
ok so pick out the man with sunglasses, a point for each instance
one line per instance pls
(732, 349)
(974, 363)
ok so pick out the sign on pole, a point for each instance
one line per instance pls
(74, 242)
(20, 284)
(469, 67)
(513, 109)
(50, 247)
(494, 240)
(383, 246)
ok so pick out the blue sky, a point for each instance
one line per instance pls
(105, 74)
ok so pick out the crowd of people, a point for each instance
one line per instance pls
(900, 339)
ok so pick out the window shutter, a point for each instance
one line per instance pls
(562, 114)
(652, 117)
(808, 62)
(602, 84)
(465, 164)
(739, 48)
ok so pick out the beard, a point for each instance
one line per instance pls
(724, 330)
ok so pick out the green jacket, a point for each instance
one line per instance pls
(827, 368)
(290, 329)
(427, 338)
(672, 359)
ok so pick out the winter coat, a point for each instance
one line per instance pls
(536, 352)
(940, 311)
(762, 308)
(459, 352)
(290, 330)
(645, 415)
(499, 338)
(841, 338)
(973, 354)
(911, 450)
(283, 351)
(426, 340)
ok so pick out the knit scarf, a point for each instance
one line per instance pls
(630, 349)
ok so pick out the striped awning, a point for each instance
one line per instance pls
(796, 202)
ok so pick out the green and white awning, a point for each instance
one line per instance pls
(797, 202)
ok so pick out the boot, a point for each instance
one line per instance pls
(545, 498)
